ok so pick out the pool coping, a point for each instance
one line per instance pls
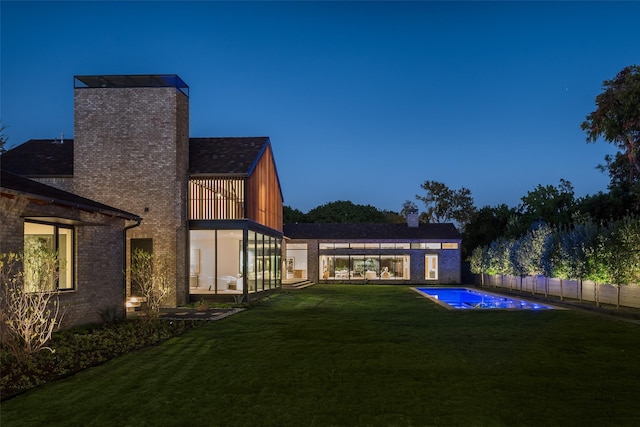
(450, 307)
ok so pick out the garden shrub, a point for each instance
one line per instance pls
(83, 347)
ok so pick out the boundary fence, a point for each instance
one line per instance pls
(581, 290)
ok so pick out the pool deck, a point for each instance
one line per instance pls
(626, 314)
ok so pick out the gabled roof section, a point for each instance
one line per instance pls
(218, 156)
(318, 231)
(225, 156)
(15, 184)
(40, 158)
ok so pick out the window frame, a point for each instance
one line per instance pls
(56, 247)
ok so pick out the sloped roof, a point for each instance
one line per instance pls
(30, 188)
(371, 231)
(227, 155)
(40, 157)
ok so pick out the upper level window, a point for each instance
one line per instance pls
(216, 198)
(49, 256)
(343, 245)
(426, 246)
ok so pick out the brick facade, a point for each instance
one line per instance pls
(131, 151)
(98, 278)
(65, 184)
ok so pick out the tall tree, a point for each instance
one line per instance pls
(408, 206)
(291, 215)
(394, 217)
(624, 253)
(553, 205)
(446, 205)
(617, 118)
(3, 138)
(343, 211)
(486, 225)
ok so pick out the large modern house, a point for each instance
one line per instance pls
(213, 206)
(375, 253)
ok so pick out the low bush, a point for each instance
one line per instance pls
(83, 347)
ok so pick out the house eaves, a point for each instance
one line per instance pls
(15, 185)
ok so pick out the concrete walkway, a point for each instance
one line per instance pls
(186, 313)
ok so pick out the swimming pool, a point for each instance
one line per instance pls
(469, 299)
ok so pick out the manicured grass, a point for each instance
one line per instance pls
(360, 355)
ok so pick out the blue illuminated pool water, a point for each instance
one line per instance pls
(463, 298)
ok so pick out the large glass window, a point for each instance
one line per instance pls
(260, 264)
(341, 271)
(251, 261)
(202, 262)
(218, 262)
(40, 241)
(276, 263)
(296, 261)
(264, 261)
(388, 245)
(361, 267)
(394, 267)
(229, 261)
(357, 266)
(215, 264)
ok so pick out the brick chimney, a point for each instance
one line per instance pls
(131, 151)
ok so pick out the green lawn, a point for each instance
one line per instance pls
(357, 355)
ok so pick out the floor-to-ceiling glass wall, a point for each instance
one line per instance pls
(218, 264)
(264, 262)
(229, 261)
(215, 264)
(365, 267)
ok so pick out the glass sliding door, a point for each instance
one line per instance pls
(296, 261)
(431, 267)
(215, 264)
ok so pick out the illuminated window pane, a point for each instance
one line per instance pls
(431, 267)
(65, 258)
(341, 268)
(40, 242)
